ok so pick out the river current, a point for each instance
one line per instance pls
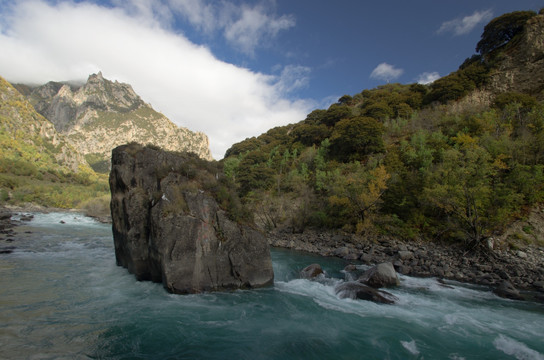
(63, 297)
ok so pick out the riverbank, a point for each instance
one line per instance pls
(522, 268)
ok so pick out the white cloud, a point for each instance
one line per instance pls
(68, 41)
(293, 77)
(427, 77)
(463, 26)
(386, 72)
(243, 26)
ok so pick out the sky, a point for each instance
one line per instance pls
(237, 68)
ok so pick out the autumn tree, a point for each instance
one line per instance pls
(355, 193)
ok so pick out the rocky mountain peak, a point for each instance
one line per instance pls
(102, 114)
(103, 94)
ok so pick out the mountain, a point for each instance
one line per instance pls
(28, 138)
(38, 165)
(101, 114)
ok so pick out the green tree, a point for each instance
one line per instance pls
(310, 134)
(335, 113)
(355, 193)
(352, 139)
(461, 188)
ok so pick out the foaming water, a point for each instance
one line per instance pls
(62, 296)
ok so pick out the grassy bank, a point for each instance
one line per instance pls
(92, 197)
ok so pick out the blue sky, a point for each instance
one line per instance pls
(233, 68)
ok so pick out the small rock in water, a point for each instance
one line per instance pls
(350, 268)
(62, 222)
(356, 290)
(311, 271)
(27, 217)
(7, 250)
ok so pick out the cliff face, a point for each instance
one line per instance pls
(102, 114)
(25, 133)
(167, 230)
(521, 67)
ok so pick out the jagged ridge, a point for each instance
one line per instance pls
(101, 114)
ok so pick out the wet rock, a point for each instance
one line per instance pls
(539, 284)
(507, 290)
(7, 249)
(381, 275)
(5, 215)
(311, 271)
(357, 290)
(350, 268)
(27, 217)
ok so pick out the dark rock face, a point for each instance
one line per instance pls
(168, 231)
(357, 290)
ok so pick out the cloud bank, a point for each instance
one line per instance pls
(464, 25)
(386, 72)
(68, 41)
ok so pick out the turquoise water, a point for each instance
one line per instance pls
(63, 297)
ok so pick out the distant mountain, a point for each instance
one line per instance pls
(29, 142)
(102, 114)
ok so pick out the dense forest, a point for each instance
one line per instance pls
(412, 161)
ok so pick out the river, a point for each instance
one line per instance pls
(63, 297)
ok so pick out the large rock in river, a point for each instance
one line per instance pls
(381, 275)
(167, 229)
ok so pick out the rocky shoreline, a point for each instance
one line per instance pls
(513, 274)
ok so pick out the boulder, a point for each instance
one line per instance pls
(166, 229)
(357, 290)
(405, 255)
(381, 275)
(311, 271)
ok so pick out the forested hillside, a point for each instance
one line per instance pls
(458, 159)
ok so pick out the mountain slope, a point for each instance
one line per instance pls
(456, 160)
(37, 164)
(102, 114)
(26, 136)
